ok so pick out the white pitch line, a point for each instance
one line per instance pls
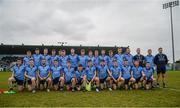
(172, 89)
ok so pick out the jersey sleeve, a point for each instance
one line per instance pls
(166, 59)
(155, 59)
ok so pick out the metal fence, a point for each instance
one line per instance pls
(170, 66)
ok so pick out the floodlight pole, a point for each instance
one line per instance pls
(172, 34)
(170, 5)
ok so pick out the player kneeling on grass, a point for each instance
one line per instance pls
(104, 75)
(18, 71)
(116, 79)
(80, 78)
(44, 75)
(126, 74)
(137, 74)
(57, 76)
(149, 80)
(91, 75)
(30, 73)
(70, 80)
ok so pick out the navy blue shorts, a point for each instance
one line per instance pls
(56, 81)
(137, 79)
(103, 80)
(68, 82)
(113, 80)
(19, 82)
(126, 81)
(79, 81)
(161, 69)
(29, 82)
(150, 80)
(42, 81)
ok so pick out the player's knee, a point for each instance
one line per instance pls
(10, 79)
(96, 79)
(108, 79)
(73, 80)
(33, 79)
(61, 79)
(122, 79)
(163, 75)
(133, 80)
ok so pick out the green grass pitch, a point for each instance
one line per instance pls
(159, 97)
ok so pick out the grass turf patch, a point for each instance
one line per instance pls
(157, 97)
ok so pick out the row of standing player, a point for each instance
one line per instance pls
(113, 74)
(82, 58)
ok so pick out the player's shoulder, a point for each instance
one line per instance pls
(93, 67)
(35, 67)
(164, 55)
(119, 67)
(72, 68)
(47, 66)
(112, 68)
(39, 67)
(23, 66)
(25, 57)
(130, 67)
(65, 68)
(144, 68)
(52, 66)
(133, 67)
(106, 66)
(99, 66)
(27, 67)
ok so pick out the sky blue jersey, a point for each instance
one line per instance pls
(37, 59)
(82, 60)
(63, 61)
(19, 71)
(102, 71)
(119, 59)
(110, 61)
(47, 58)
(69, 73)
(148, 72)
(26, 60)
(150, 59)
(31, 71)
(104, 57)
(56, 71)
(137, 71)
(126, 72)
(116, 71)
(90, 58)
(96, 61)
(129, 57)
(90, 72)
(52, 58)
(44, 71)
(80, 75)
(74, 60)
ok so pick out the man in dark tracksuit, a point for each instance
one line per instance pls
(161, 61)
(139, 57)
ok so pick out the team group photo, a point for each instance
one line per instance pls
(89, 53)
(81, 72)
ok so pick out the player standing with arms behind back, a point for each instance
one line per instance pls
(161, 61)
